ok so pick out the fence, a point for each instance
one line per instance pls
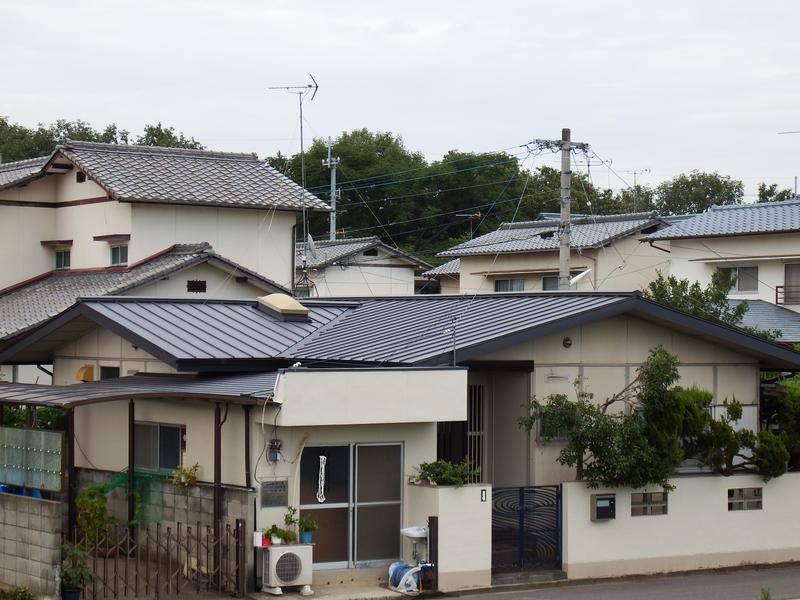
(31, 458)
(161, 560)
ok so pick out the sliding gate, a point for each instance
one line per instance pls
(526, 528)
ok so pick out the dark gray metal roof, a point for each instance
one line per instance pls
(542, 235)
(242, 388)
(327, 252)
(765, 315)
(15, 172)
(25, 306)
(394, 331)
(179, 176)
(764, 217)
(451, 267)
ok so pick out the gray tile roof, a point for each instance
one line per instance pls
(541, 236)
(231, 388)
(26, 305)
(451, 267)
(390, 331)
(15, 172)
(765, 315)
(765, 217)
(181, 176)
(327, 252)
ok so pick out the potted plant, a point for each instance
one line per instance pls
(307, 525)
(444, 472)
(273, 533)
(184, 477)
(75, 575)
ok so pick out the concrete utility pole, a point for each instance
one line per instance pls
(564, 225)
(331, 164)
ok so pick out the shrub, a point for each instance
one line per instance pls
(17, 593)
(444, 472)
(74, 572)
(93, 517)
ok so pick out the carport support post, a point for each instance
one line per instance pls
(217, 485)
(131, 467)
(72, 484)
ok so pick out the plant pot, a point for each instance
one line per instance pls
(275, 540)
(70, 593)
(265, 542)
(306, 537)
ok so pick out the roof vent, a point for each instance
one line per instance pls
(283, 307)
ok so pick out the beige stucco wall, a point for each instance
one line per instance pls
(219, 284)
(603, 358)
(342, 397)
(449, 285)
(465, 532)
(21, 231)
(697, 533)
(687, 259)
(363, 280)
(260, 240)
(81, 223)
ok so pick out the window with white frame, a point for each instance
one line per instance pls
(509, 285)
(158, 446)
(119, 254)
(62, 258)
(644, 504)
(746, 278)
(744, 499)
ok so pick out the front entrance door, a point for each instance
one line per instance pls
(354, 491)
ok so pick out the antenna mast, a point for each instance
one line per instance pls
(302, 91)
(331, 164)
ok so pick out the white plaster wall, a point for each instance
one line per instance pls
(219, 284)
(465, 532)
(697, 533)
(81, 223)
(260, 240)
(332, 397)
(449, 285)
(67, 188)
(628, 265)
(364, 280)
(21, 231)
(39, 190)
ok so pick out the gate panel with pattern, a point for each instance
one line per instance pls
(526, 528)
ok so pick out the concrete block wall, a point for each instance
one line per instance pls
(30, 543)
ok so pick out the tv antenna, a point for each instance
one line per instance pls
(302, 91)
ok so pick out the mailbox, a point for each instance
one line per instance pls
(604, 507)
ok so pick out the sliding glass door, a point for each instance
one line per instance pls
(355, 494)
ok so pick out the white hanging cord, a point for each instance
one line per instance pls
(321, 481)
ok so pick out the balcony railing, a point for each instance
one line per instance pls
(787, 294)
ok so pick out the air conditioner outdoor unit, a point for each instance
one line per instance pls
(287, 565)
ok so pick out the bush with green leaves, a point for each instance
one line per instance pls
(17, 593)
(74, 570)
(444, 472)
(92, 516)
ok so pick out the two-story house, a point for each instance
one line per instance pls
(524, 256)
(103, 219)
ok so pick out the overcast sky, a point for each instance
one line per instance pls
(678, 86)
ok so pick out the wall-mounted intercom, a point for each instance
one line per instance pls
(604, 507)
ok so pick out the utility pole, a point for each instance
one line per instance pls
(331, 164)
(565, 145)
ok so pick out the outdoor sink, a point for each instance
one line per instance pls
(415, 533)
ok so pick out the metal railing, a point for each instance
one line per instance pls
(787, 294)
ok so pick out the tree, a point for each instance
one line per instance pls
(772, 194)
(158, 135)
(697, 191)
(710, 302)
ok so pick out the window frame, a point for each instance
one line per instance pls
(66, 258)
(510, 281)
(734, 271)
(182, 446)
(122, 249)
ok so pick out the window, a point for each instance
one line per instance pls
(648, 503)
(62, 259)
(550, 283)
(158, 447)
(746, 278)
(744, 499)
(119, 255)
(509, 285)
(109, 372)
(80, 176)
(791, 283)
(198, 286)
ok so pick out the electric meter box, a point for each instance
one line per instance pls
(604, 507)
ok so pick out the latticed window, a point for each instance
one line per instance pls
(745, 499)
(648, 503)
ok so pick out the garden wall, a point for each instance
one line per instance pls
(698, 531)
(30, 543)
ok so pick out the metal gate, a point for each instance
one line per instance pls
(526, 528)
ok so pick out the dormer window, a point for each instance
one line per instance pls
(119, 254)
(62, 259)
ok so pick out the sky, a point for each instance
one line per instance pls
(667, 86)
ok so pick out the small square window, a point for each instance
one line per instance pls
(197, 286)
(509, 285)
(744, 499)
(109, 372)
(80, 177)
(648, 503)
(119, 255)
(157, 446)
(550, 283)
(62, 259)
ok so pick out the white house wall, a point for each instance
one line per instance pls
(21, 230)
(363, 280)
(260, 240)
(81, 223)
(219, 284)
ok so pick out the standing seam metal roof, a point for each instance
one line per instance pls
(765, 315)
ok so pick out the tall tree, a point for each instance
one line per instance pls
(158, 135)
(771, 193)
(696, 191)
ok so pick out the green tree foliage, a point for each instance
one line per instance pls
(709, 302)
(771, 193)
(667, 424)
(696, 191)
(18, 142)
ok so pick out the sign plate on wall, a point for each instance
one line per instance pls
(274, 493)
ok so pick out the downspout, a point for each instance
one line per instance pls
(131, 465)
(71, 473)
(293, 255)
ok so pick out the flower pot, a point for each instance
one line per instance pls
(306, 537)
(265, 543)
(275, 540)
(70, 593)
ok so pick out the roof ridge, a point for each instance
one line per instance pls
(545, 223)
(342, 241)
(160, 150)
(717, 207)
(10, 166)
